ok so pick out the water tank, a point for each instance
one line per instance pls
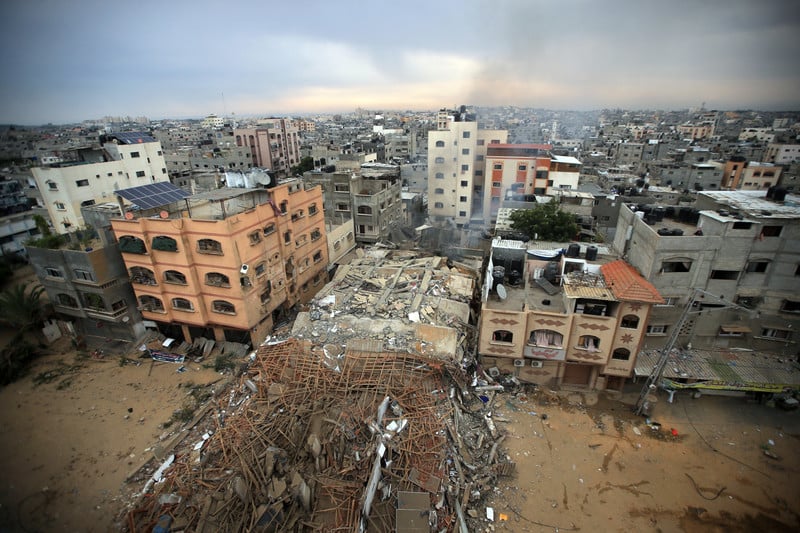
(498, 275)
(551, 271)
(664, 232)
(591, 253)
(779, 195)
(677, 232)
(574, 250)
(659, 213)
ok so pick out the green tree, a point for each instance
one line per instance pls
(306, 164)
(545, 222)
(22, 309)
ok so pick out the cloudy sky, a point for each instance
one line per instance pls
(69, 60)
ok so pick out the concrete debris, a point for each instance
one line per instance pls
(389, 441)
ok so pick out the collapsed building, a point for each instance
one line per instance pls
(365, 419)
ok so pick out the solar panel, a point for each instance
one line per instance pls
(133, 137)
(153, 195)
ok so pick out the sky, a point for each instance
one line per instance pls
(67, 61)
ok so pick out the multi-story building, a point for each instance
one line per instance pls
(274, 144)
(554, 319)
(743, 247)
(225, 264)
(125, 160)
(759, 176)
(212, 121)
(86, 280)
(515, 169)
(456, 167)
(783, 154)
(732, 172)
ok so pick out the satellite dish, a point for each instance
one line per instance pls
(129, 216)
(501, 292)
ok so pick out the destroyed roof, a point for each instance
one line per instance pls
(627, 284)
(393, 300)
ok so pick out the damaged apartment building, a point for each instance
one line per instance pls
(225, 264)
(560, 316)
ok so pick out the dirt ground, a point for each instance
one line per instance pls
(67, 446)
(592, 465)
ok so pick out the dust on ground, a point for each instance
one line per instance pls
(587, 462)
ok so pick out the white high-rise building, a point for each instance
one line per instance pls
(456, 167)
(89, 176)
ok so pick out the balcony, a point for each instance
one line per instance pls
(105, 314)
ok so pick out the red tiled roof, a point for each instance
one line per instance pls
(627, 284)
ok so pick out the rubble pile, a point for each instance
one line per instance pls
(358, 441)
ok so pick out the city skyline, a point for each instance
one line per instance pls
(64, 63)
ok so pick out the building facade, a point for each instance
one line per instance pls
(273, 145)
(229, 263)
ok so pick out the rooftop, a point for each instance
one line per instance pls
(756, 204)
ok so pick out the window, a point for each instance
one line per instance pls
(217, 279)
(465, 135)
(87, 203)
(439, 160)
(494, 141)
(209, 246)
(364, 210)
(316, 234)
(621, 354)
(134, 154)
(343, 187)
(60, 206)
(438, 205)
(771, 231)
(775, 333)
(439, 144)
(269, 229)
(497, 184)
(312, 210)
(165, 244)
(438, 191)
(173, 276)
(53, 272)
(790, 306)
(119, 305)
(676, 265)
(742, 225)
(151, 303)
(546, 337)
(301, 240)
(541, 174)
(221, 306)
(629, 322)
(481, 142)
(462, 213)
(52, 186)
(464, 183)
(287, 237)
(757, 266)
(84, 275)
(657, 330)
(297, 215)
(67, 301)
(284, 207)
(479, 173)
(669, 301)
(464, 168)
(343, 207)
(267, 294)
(140, 173)
(497, 166)
(440, 175)
(522, 167)
(182, 304)
(255, 237)
(465, 151)
(725, 274)
(479, 157)
(502, 336)
(588, 342)
(462, 198)
(317, 256)
(82, 183)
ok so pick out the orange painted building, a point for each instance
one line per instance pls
(227, 263)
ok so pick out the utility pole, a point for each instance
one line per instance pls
(655, 376)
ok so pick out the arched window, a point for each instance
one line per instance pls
(629, 322)
(173, 276)
(216, 279)
(546, 337)
(221, 306)
(502, 335)
(589, 342)
(165, 244)
(151, 303)
(621, 354)
(439, 144)
(209, 246)
(67, 301)
(143, 276)
(364, 210)
(438, 191)
(131, 245)
(182, 304)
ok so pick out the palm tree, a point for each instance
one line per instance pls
(21, 308)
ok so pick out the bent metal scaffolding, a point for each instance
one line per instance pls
(315, 444)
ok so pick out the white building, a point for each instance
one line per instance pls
(212, 121)
(125, 160)
(783, 154)
(456, 167)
